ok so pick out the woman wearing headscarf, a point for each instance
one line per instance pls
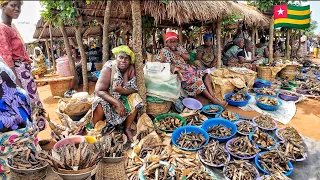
(206, 57)
(39, 64)
(262, 51)
(193, 80)
(116, 97)
(16, 57)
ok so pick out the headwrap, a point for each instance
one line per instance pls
(237, 40)
(34, 51)
(125, 49)
(6, 1)
(207, 36)
(171, 35)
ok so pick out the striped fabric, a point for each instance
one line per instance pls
(291, 16)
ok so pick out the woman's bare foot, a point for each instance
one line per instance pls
(129, 134)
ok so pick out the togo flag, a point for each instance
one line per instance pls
(291, 16)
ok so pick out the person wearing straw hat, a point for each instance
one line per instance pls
(116, 97)
(206, 57)
(16, 57)
(193, 80)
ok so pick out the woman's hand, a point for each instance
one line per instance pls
(120, 109)
(179, 53)
(117, 88)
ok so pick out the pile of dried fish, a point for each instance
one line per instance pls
(289, 133)
(265, 121)
(285, 84)
(191, 140)
(27, 159)
(274, 161)
(212, 109)
(219, 131)
(300, 76)
(196, 119)
(158, 171)
(268, 101)
(196, 174)
(113, 146)
(228, 115)
(245, 127)
(153, 150)
(292, 149)
(275, 176)
(239, 96)
(288, 93)
(214, 154)
(263, 139)
(267, 91)
(241, 146)
(168, 123)
(240, 170)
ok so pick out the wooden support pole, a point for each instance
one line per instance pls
(163, 32)
(253, 39)
(154, 42)
(271, 29)
(48, 52)
(105, 39)
(51, 47)
(288, 44)
(137, 45)
(180, 35)
(219, 59)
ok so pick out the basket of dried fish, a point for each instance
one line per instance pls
(113, 147)
(292, 149)
(266, 92)
(214, 154)
(190, 138)
(245, 127)
(262, 140)
(157, 170)
(288, 96)
(237, 99)
(268, 103)
(229, 115)
(288, 133)
(240, 170)
(219, 129)
(275, 176)
(27, 164)
(273, 161)
(265, 122)
(212, 109)
(169, 122)
(242, 148)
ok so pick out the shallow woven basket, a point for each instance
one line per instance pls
(155, 109)
(265, 73)
(111, 171)
(60, 85)
(289, 72)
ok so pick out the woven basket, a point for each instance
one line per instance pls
(289, 72)
(98, 66)
(155, 109)
(111, 171)
(265, 73)
(60, 85)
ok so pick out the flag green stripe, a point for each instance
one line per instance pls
(290, 16)
(299, 26)
(299, 8)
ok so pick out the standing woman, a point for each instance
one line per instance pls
(16, 57)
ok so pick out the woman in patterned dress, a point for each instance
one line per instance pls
(206, 57)
(193, 80)
(116, 97)
(15, 56)
(39, 63)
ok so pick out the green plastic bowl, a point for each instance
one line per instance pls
(292, 83)
(162, 116)
(287, 88)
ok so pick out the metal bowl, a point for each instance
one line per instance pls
(74, 175)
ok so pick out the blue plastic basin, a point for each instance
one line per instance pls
(237, 103)
(268, 107)
(256, 160)
(214, 122)
(206, 107)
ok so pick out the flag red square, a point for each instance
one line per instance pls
(280, 11)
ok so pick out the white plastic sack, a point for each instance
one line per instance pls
(157, 69)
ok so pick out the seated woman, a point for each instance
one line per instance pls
(245, 55)
(206, 57)
(262, 51)
(116, 97)
(233, 58)
(39, 64)
(193, 80)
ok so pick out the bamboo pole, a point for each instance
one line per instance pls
(44, 27)
(288, 44)
(180, 35)
(137, 44)
(48, 52)
(105, 39)
(271, 29)
(219, 59)
(51, 46)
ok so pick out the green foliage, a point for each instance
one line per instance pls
(165, 2)
(265, 5)
(310, 32)
(147, 25)
(230, 19)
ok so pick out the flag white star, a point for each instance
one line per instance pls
(280, 11)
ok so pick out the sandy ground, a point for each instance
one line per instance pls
(306, 119)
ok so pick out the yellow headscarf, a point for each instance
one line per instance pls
(5, 1)
(126, 50)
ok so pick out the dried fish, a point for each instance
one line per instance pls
(292, 149)
(274, 161)
(158, 171)
(285, 84)
(26, 159)
(113, 146)
(240, 170)
(228, 115)
(241, 146)
(289, 133)
(212, 109)
(245, 127)
(268, 101)
(239, 96)
(196, 119)
(263, 139)
(288, 93)
(214, 153)
(219, 131)
(197, 174)
(191, 140)
(265, 121)
(267, 91)
(169, 123)
(275, 176)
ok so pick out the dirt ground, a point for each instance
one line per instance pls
(306, 119)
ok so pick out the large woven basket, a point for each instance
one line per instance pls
(155, 109)
(111, 171)
(289, 72)
(59, 86)
(265, 73)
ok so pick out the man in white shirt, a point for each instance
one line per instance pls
(303, 47)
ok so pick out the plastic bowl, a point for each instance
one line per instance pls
(288, 97)
(215, 121)
(278, 136)
(260, 83)
(142, 169)
(237, 103)
(69, 140)
(208, 106)
(267, 129)
(237, 117)
(254, 125)
(256, 170)
(292, 83)
(260, 94)
(269, 148)
(287, 88)
(268, 107)
(302, 91)
(162, 116)
(305, 155)
(213, 165)
(176, 134)
(236, 156)
(192, 103)
(256, 160)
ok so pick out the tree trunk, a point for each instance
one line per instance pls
(219, 59)
(293, 37)
(48, 52)
(51, 47)
(180, 36)
(200, 36)
(83, 57)
(105, 40)
(163, 32)
(271, 29)
(137, 44)
(72, 65)
(253, 39)
(299, 45)
(287, 44)
(144, 44)
(154, 42)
